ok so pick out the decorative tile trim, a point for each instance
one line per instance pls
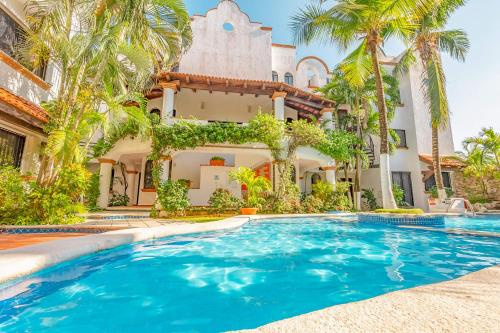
(400, 219)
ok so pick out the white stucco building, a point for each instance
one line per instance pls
(232, 71)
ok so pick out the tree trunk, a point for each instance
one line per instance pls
(436, 164)
(388, 201)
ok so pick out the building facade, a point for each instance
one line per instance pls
(232, 72)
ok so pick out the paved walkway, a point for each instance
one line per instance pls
(468, 304)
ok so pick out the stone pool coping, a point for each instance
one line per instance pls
(22, 261)
(470, 303)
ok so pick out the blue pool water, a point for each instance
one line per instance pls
(489, 223)
(240, 279)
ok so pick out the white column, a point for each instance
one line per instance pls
(169, 90)
(279, 104)
(330, 174)
(327, 116)
(30, 162)
(131, 189)
(104, 181)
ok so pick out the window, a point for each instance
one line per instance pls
(403, 179)
(11, 148)
(402, 138)
(156, 112)
(431, 182)
(228, 27)
(11, 35)
(148, 175)
(289, 79)
(275, 76)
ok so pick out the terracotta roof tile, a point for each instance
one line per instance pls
(446, 161)
(23, 105)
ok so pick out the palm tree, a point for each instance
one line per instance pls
(106, 52)
(361, 100)
(370, 23)
(429, 39)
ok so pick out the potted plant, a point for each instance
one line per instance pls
(217, 161)
(256, 186)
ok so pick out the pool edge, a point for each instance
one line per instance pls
(470, 303)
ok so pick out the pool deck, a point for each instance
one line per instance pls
(467, 304)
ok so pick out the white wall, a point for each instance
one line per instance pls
(244, 52)
(284, 61)
(311, 69)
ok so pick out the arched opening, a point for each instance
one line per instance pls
(156, 112)
(275, 76)
(289, 79)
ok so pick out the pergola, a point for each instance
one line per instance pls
(305, 103)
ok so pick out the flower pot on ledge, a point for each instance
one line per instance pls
(249, 211)
(217, 162)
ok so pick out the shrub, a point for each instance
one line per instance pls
(370, 198)
(399, 196)
(340, 200)
(474, 199)
(434, 192)
(118, 199)
(173, 197)
(312, 204)
(413, 211)
(222, 200)
(217, 158)
(13, 194)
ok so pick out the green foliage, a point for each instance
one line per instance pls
(413, 211)
(312, 204)
(222, 200)
(340, 145)
(370, 198)
(173, 197)
(256, 186)
(399, 195)
(332, 197)
(93, 192)
(217, 158)
(26, 202)
(434, 192)
(473, 199)
(119, 200)
(13, 194)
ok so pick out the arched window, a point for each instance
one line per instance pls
(315, 178)
(156, 112)
(289, 79)
(275, 76)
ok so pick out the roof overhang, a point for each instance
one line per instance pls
(448, 162)
(19, 108)
(304, 102)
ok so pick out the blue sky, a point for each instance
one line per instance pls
(473, 86)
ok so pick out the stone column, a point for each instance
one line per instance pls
(106, 166)
(279, 104)
(132, 186)
(330, 174)
(327, 116)
(169, 90)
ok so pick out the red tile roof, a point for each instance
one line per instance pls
(446, 161)
(23, 105)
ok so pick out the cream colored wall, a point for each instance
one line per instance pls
(244, 52)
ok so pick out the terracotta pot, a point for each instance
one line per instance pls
(249, 211)
(217, 162)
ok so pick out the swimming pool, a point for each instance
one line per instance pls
(488, 223)
(212, 282)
